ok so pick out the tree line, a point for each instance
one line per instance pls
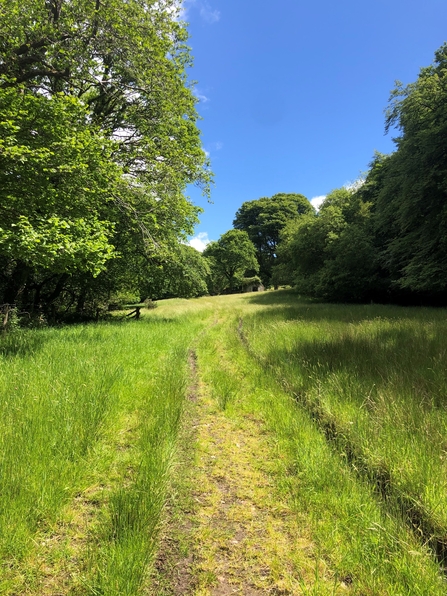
(385, 237)
(99, 139)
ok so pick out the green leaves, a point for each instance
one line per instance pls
(264, 219)
(231, 258)
(59, 245)
(55, 179)
(98, 140)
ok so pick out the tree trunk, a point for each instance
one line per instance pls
(16, 283)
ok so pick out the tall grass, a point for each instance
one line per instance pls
(361, 546)
(126, 538)
(90, 408)
(353, 399)
(375, 378)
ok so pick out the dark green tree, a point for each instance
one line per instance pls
(264, 219)
(411, 205)
(332, 253)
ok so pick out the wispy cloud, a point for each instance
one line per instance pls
(200, 241)
(212, 147)
(200, 96)
(317, 201)
(209, 14)
(206, 11)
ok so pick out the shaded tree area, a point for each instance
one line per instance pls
(386, 239)
(98, 140)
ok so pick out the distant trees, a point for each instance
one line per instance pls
(183, 274)
(331, 254)
(387, 239)
(264, 219)
(231, 259)
(98, 140)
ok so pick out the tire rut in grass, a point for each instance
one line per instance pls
(172, 572)
(231, 534)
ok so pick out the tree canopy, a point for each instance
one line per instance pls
(98, 140)
(231, 259)
(264, 219)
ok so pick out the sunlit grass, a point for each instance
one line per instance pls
(375, 377)
(358, 545)
(89, 408)
(352, 398)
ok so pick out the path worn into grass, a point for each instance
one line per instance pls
(228, 529)
(246, 541)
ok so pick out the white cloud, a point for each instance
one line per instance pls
(200, 241)
(212, 147)
(200, 96)
(317, 201)
(208, 14)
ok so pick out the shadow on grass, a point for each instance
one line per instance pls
(289, 305)
(393, 366)
(280, 297)
(378, 345)
(21, 342)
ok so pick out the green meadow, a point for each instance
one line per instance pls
(350, 399)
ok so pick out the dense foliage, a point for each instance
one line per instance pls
(232, 262)
(98, 140)
(386, 239)
(264, 219)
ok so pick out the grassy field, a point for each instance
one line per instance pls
(345, 406)
(375, 379)
(88, 428)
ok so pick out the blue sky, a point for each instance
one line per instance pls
(293, 94)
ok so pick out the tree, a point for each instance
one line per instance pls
(264, 219)
(116, 72)
(231, 259)
(411, 209)
(332, 253)
(56, 186)
(183, 274)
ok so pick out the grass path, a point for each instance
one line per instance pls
(231, 531)
(268, 507)
(247, 539)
